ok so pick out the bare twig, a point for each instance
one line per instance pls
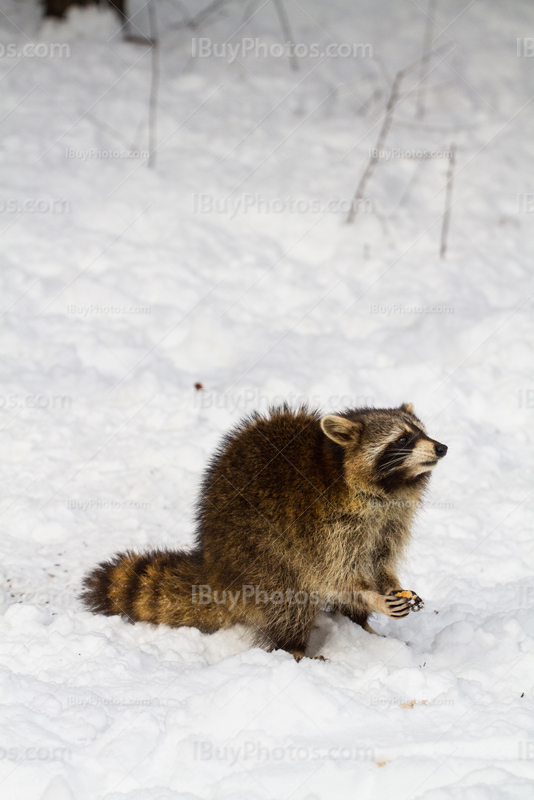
(425, 59)
(249, 11)
(386, 74)
(382, 136)
(436, 51)
(194, 22)
(424, 126)
(387, 121)
(181, 8)
(103, 126)
(436, 87)
(409, 188)
(286, 32)
(154, 86)
(448, 203)
(369, 103)
(131, 38)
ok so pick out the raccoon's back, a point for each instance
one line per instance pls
(271, 466)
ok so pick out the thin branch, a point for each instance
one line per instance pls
(436, 87)
(181, 8)
(386, 74)
(387, 121)
(409, 188)
(436, 50)
(448, 203)
(103, 126)
(154, 86)
(131, 38)
(425, 59)
(249, 12)
(286, 32)
(382, 136)
(423, 126)
(371, 100)
(194, 22)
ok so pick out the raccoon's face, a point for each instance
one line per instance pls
(385, 448)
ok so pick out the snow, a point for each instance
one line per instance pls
(119, 294)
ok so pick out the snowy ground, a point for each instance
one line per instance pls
(228, 264)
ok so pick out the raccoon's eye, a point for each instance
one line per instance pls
(403, 440)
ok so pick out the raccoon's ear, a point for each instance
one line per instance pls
(340, 430)
(407, 407)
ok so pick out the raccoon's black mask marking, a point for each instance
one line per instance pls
(395, 453)
(391, 474)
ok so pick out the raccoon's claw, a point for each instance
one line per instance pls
(298, 655)
(402, 601)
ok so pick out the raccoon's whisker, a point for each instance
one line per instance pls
(392, 462)
(397, 457)
(389, 467)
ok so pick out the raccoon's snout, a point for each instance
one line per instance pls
(441, 449)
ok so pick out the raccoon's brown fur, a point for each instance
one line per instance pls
(296, 511)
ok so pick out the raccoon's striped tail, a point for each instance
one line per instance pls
(157, 587)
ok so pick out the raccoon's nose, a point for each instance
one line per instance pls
(441, 450)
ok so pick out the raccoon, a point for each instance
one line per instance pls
(297, 511)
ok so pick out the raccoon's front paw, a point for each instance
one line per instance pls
(401, 601)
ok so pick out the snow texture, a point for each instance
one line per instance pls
(228, 264)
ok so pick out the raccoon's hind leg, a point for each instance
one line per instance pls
(286, 627)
